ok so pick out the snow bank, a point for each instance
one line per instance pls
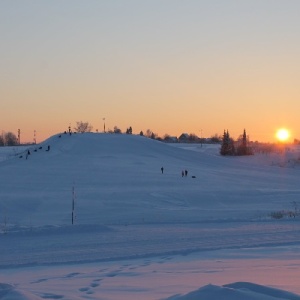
(237, 291)
(9, 292)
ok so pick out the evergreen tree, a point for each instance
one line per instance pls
(227, 147)
(243, 148)
(129, 130)
(224, 145)
(244, 141)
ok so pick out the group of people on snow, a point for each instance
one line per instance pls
(184, 173)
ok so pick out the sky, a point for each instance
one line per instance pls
(170, 66)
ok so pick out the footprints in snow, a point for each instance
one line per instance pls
(106, 273)
(89, 289)
(72, 275)
(126, 270)
(51, 296)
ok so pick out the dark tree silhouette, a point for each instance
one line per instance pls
(227, 147)
(129, 130)
(82, 127)
(117, 130)
(10, 139)
(243, 148)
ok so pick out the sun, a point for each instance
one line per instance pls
(282, 134)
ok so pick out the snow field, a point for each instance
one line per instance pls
(140, 234)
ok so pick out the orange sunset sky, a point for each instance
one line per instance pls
(169, 66)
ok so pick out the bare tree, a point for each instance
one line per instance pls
(193, 137)
(83, 127)
(166, 137)
(117, 130)
(216, 138)
(148, 133)
(154, 136)
(10, 139)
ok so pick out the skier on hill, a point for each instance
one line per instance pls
(28, 153)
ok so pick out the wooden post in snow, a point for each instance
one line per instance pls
(73, 204)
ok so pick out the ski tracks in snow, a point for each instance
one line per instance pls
(139, 241)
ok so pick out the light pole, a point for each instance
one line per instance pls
(201, 137)
(19, 136)
(34, 136)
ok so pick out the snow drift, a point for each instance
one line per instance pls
(237, 291)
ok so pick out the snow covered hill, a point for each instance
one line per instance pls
(117, 179)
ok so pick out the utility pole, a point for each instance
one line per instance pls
(19, 136)
(34, 136)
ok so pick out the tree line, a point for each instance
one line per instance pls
(228, 145)
(240, 147)
(10, 139)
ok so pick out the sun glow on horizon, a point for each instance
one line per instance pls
(282, 134)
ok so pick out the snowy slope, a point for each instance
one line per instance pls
(9, 292)
(135, 225)
(117, 179)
